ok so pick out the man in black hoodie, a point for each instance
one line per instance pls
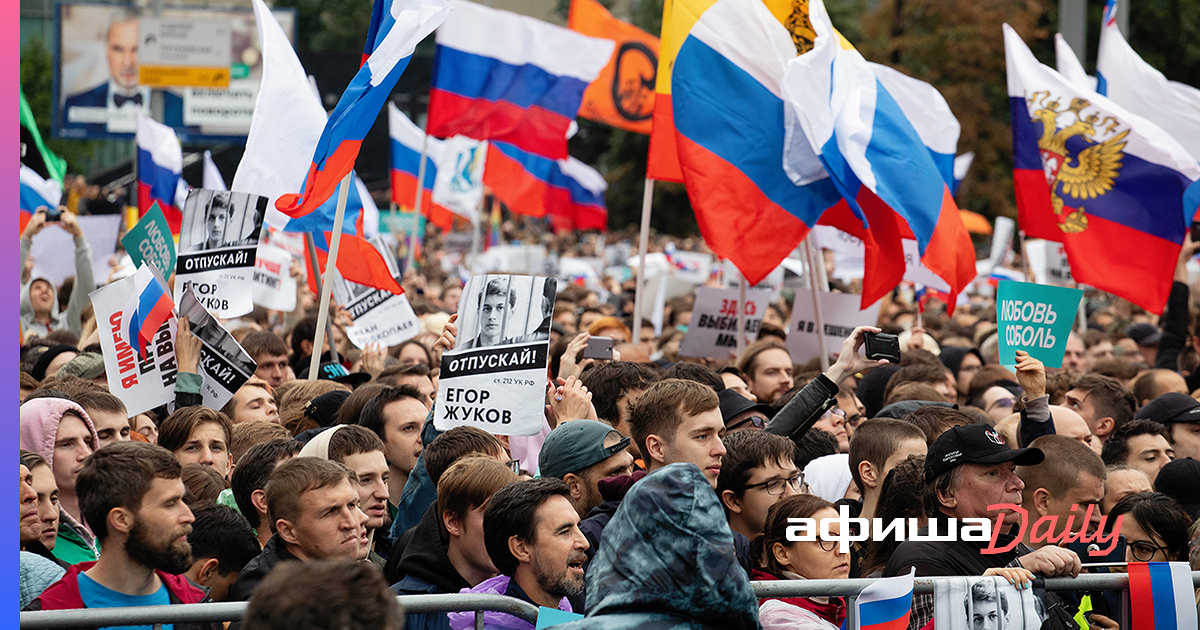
(445, 552)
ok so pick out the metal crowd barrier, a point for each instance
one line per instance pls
(232, 611)
(851, 588)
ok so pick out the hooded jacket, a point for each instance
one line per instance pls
(492, 620)
(85, 283)
(274, 552)
(612, 491)
(666, 561)
(424, 568)
(40, 418)
(64, 594)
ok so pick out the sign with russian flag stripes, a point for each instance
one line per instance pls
(147, 308)
(141, 382)
(1035, 318)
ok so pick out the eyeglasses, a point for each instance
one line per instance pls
(759, 422)
(1005, 403)
(854, 420)
(1144, 551)
(835, 411)
(514, 465)
(774, 487)
(827, 545)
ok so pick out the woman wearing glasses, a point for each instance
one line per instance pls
(1155, 527)
(781, 559)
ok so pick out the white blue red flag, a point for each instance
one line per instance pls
(397, 26)
(37, 192)
(1161, 596)
(147, 310)
(159, 168)
(502, 76)
(568, 191)
(407, 142)
(885, 604)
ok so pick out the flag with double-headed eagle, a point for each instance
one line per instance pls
(1115, 189)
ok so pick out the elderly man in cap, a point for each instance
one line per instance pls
(581, 453)
(1181, 414)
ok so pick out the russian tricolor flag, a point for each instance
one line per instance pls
(567, 190)
(159, 169)
(361, 216)
(1161, 596)
(35, 193)
(359, 260)
(729, 123)
(502, 76)
(148, 308)
(396, 28)
(885, 604)
(407, 142)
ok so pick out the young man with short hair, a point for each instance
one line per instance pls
(581, 453)
(1070, 476)
(679, 421)
(107, 413)
(1105, 404)
(1142, 445)
(531, 532)
(615, 386)
(254, 400)
(132, 496)
(415, 374)
(250, 478)
(271, 355)
(878, 446)
(198, 435)
(1181, 414)
(757, 471)
(767, 368)
(360, 450)
(222, 544)
(397, 415)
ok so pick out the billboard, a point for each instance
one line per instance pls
(98, 75)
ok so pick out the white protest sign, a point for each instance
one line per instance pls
(218, 241)
(773, 281)
(272, 285)
(690, 267)
(459, 183)
(53, 248)
(1048, 262)
(839, 312)
(712, 332)
(142, 384)
(380, 317)
(495, 377)
(224, 364)
(849, 253)
(1002, 240)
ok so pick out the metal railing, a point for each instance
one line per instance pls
(851, 588)
(232, 611)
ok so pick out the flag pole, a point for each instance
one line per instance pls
(316, 272)
(816, 296)
(330, 268)
(643, 244)
(741, 314)
(412, 239)
(476, 228)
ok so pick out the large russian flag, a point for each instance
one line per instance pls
(397, 26)
(361, 216)
(1118, 196)
(407, 142)
(568, 190)
(159, 168)
(1161, 596)
(359, 261)
(502, 76)
(35, 193)
(148, 307)
(729, 122)
(885, 604)
(881, 165)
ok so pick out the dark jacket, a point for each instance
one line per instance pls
(424, 568)
(612, 491)
(667, 562)
(274, 552)
(956, 558)
(1174, 323)
(419, 491)
(802, 411)
(64, 595)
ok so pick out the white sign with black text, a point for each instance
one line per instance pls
(712, 332)
(217, 247)
(840, 314)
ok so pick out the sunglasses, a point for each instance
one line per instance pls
(759, 422)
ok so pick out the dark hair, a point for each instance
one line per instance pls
(776, 525)
(253, 470)
(933, 490)
(352, 439)
(98, 400)
(915, 373)
(175, 430)
(396, 350)
(220, 532)
(497, 286)
(986, 591)
(291, 479)
(1066, 459)
(324, 594)
(389, 374)
(875, 440)
(352, 408)
(899, 497)
(664, 406)
(262, 342)
(202, 485)
(456, 443)
(913, 390)
(1109, 398)
(695, 372)
(1116, 447)
(610, 382)
(467, 484)
(247, 434)
(814, 443)
(512, 511)
(747, 450)
(119, 475)
(372, 413)
(1160, 516)
(749, 359)
(304, 330)
(32, 460)
(935, 420)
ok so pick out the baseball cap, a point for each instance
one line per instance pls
(331, 371)
(1178, 480)
(1144, 334)
(974, 444)
(86, 365)
(733, 403)
(1170, 407)
(575, 445)
(324, 408)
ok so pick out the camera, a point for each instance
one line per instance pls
(53, 215)
(883, 346)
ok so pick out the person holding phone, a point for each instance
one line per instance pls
(40, 311)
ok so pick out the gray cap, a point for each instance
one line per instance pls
(86, 365)
(575, 445)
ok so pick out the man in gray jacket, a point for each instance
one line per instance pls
(40, 313)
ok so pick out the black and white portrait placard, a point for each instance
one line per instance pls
(217, 244)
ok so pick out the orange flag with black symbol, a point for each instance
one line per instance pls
(623, 94)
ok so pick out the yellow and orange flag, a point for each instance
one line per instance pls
(623, 94)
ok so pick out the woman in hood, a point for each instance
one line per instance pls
(818, 559)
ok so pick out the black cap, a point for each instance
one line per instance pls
(1178, 480)
(331, 371)
(974, 444)
(733, 403)
(324, 408)
(1144, 334)
(1170, 407)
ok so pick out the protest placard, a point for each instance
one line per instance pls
(52, 248)
(380, 317)
(272, 284)
(141, 383)
(712, 332)
(1048, 262)
(217, 248)
(224, 365)
(495, 377)
(1035, 318)
(150, 240)
(841, 316)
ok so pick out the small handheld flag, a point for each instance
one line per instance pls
(885, 604)
(1161, 596)
(148, 308)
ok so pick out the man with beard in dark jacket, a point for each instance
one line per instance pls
(445, 551)
(131, 494)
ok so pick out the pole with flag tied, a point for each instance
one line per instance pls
(159, 169)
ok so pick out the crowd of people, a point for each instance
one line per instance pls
(658, 489)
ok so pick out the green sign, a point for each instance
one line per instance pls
(1036, 318)
(150, 241)
(239, 71)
